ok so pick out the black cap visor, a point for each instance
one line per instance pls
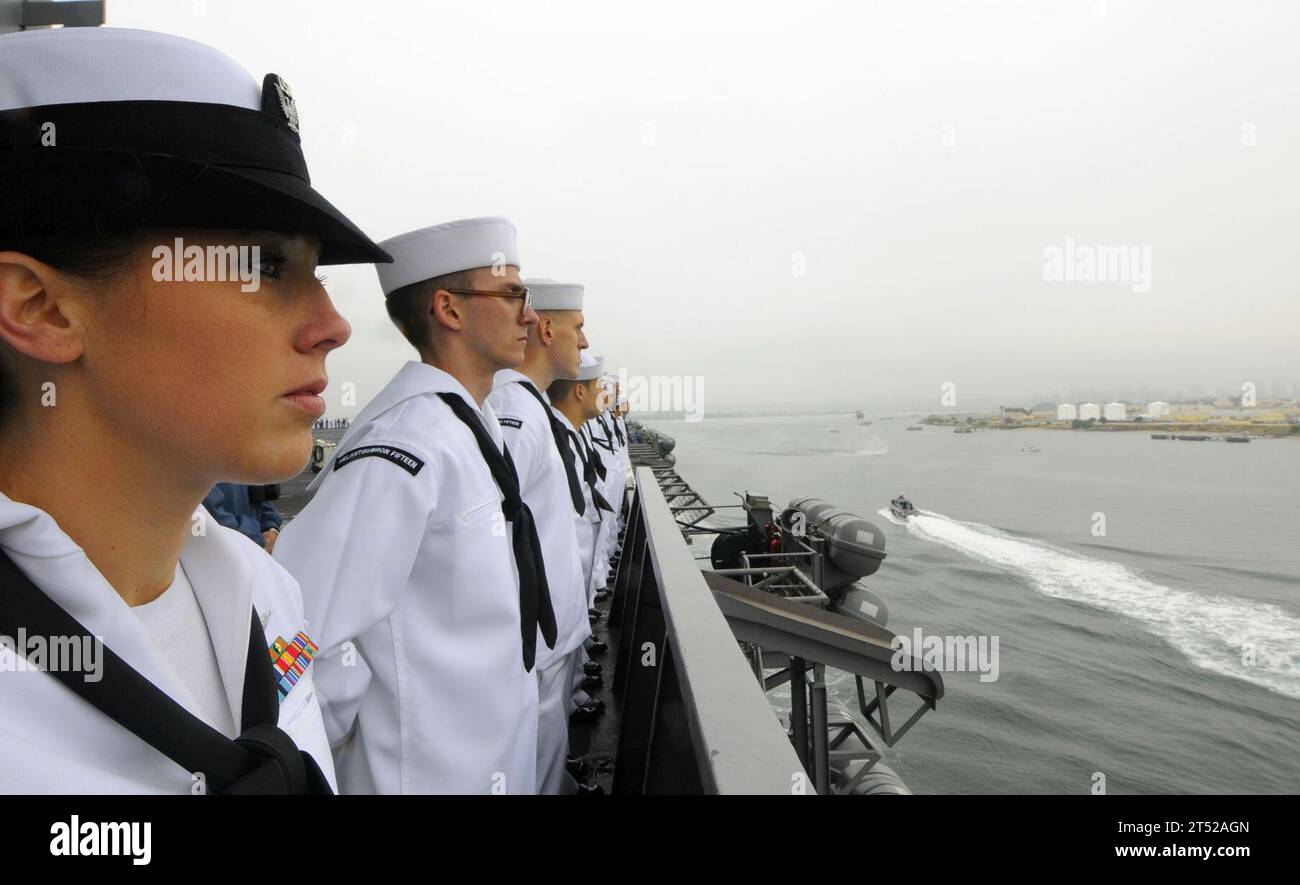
(124, 166)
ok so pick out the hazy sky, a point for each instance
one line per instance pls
(823, 204)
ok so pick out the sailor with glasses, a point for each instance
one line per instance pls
(419, 561)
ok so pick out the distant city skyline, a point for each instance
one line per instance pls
(1077, 396)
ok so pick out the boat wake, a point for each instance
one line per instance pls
(1216, 633)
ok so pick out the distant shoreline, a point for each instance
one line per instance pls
(1218, 429)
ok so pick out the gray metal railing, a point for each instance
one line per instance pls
(694, 719)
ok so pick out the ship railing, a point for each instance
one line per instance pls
(689, 509)
(693, 718)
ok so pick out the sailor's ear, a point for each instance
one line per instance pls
(545, 331)
(445, 310)
(42, 314)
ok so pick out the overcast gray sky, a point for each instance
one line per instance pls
(823, 204)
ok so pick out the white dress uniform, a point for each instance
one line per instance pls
(53, 741)
(612, 489)
(596, 575)
(409, 576)
(625, 459)
(588, 523)
(596, 578)
(623, 475)
(544, 485)
(118, 100)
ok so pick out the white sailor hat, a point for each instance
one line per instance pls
(113, 129)
(590, 367)
(448, 248)
(550, 295)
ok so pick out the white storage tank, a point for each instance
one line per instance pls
(1116, 412)
(1089, 410)
(1066, 412)
(1158, 409)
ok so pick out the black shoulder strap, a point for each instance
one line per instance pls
(263, 759)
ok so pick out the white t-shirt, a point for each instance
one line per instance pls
(175, 623)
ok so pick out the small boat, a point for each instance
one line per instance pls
(1237, 439)
(914, 427)
(902, 508)
(1160, 436)
(862, 419)
(1030, 449)
(1193, 437)
(963, 430)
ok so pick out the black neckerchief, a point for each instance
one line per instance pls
(535, 609)
(262, 760)
(589, 471)
(607, 443)
(561, 446)
(593, 455)
(609, 437)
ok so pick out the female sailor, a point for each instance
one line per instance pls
(161, 329)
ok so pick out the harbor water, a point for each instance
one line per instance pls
(1145, 594)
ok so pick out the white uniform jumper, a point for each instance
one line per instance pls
(619, 441)
(588, 523)
(545, 488)
(606, 444)
(53, 741)
(622, 476)
(408, 574)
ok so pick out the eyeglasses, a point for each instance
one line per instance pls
(526, 296)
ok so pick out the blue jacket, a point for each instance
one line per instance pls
(230, 505)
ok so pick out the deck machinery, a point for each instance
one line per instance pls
(789, 585)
